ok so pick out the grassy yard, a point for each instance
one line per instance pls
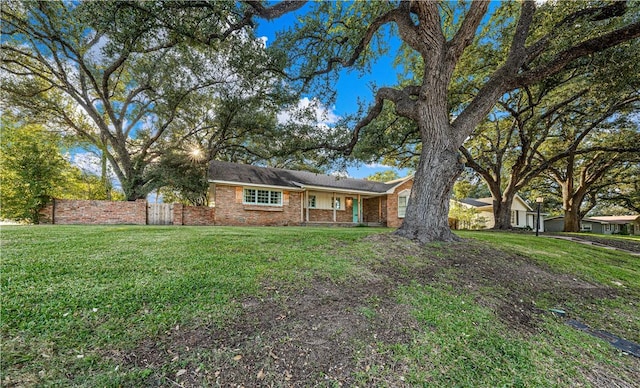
(194, 306)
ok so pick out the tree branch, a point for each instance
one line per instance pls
(587, 47)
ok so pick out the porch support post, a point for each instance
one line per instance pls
(334, 206)
(360, 207)
(380, 209)
(306, 203)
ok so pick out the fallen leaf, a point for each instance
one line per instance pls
(261, 374)
(238, 357)
(181, 372)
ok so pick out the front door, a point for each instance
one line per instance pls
(355, 210)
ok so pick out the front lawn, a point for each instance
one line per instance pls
(194, 306)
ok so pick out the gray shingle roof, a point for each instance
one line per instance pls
(247, 174)
(477, 202)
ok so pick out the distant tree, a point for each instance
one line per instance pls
(383, 176)
(31, 170)
(467, 217)
(585, 180)
(515, 144)
(181, 177)
(469, 185)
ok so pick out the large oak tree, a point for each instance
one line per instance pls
(344, 36)
(125, 75)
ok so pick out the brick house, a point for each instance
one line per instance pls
(250, 195)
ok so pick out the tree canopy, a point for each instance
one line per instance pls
(129, 77)
(521, 44)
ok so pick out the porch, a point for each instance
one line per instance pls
(343, 208)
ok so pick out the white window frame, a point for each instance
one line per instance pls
(402, 210)
(337, 202)
(255, 195)
(312, 202)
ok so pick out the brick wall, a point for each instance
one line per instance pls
(374, 209)
(68, 211)
(392, 205)
(83, 212)
(197, 215)
(231, 211)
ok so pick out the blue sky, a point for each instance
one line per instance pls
(351, 86)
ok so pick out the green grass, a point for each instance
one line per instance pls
(594, 263)
(618, 270)
(74, 291)
(72, 295)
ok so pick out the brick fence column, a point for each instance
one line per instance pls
(178, 213)
(141, 212)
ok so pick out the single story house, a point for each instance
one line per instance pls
(251, 195)
(601, 224)
(522, 215)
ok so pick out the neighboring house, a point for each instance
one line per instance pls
(522, 215)
(250, 195)
(601, 224)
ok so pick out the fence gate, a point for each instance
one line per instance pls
(160, 214)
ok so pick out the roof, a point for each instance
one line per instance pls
(477, 202)
(268, 176)
(613, 219)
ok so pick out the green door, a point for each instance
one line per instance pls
(355, 210)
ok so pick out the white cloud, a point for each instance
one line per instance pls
(309, 112)
(340, 174)
(89, 163)
(95, 54)
(377, 165)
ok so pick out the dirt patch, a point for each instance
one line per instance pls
(328, 333)
(314, 335)
(626, 244)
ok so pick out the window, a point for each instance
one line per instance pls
(262, 197)
(336, 202)
(312, 201)
(403, 201)
(513, 217)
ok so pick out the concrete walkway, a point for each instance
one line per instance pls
(586, 242)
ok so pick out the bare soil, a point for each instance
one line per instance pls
(325, 333)
(625, 244)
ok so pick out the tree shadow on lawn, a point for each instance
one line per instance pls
(328, 333)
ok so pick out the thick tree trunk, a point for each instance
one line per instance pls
(571, 204)
(571, 220)
(502, 213)
(428, 209)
